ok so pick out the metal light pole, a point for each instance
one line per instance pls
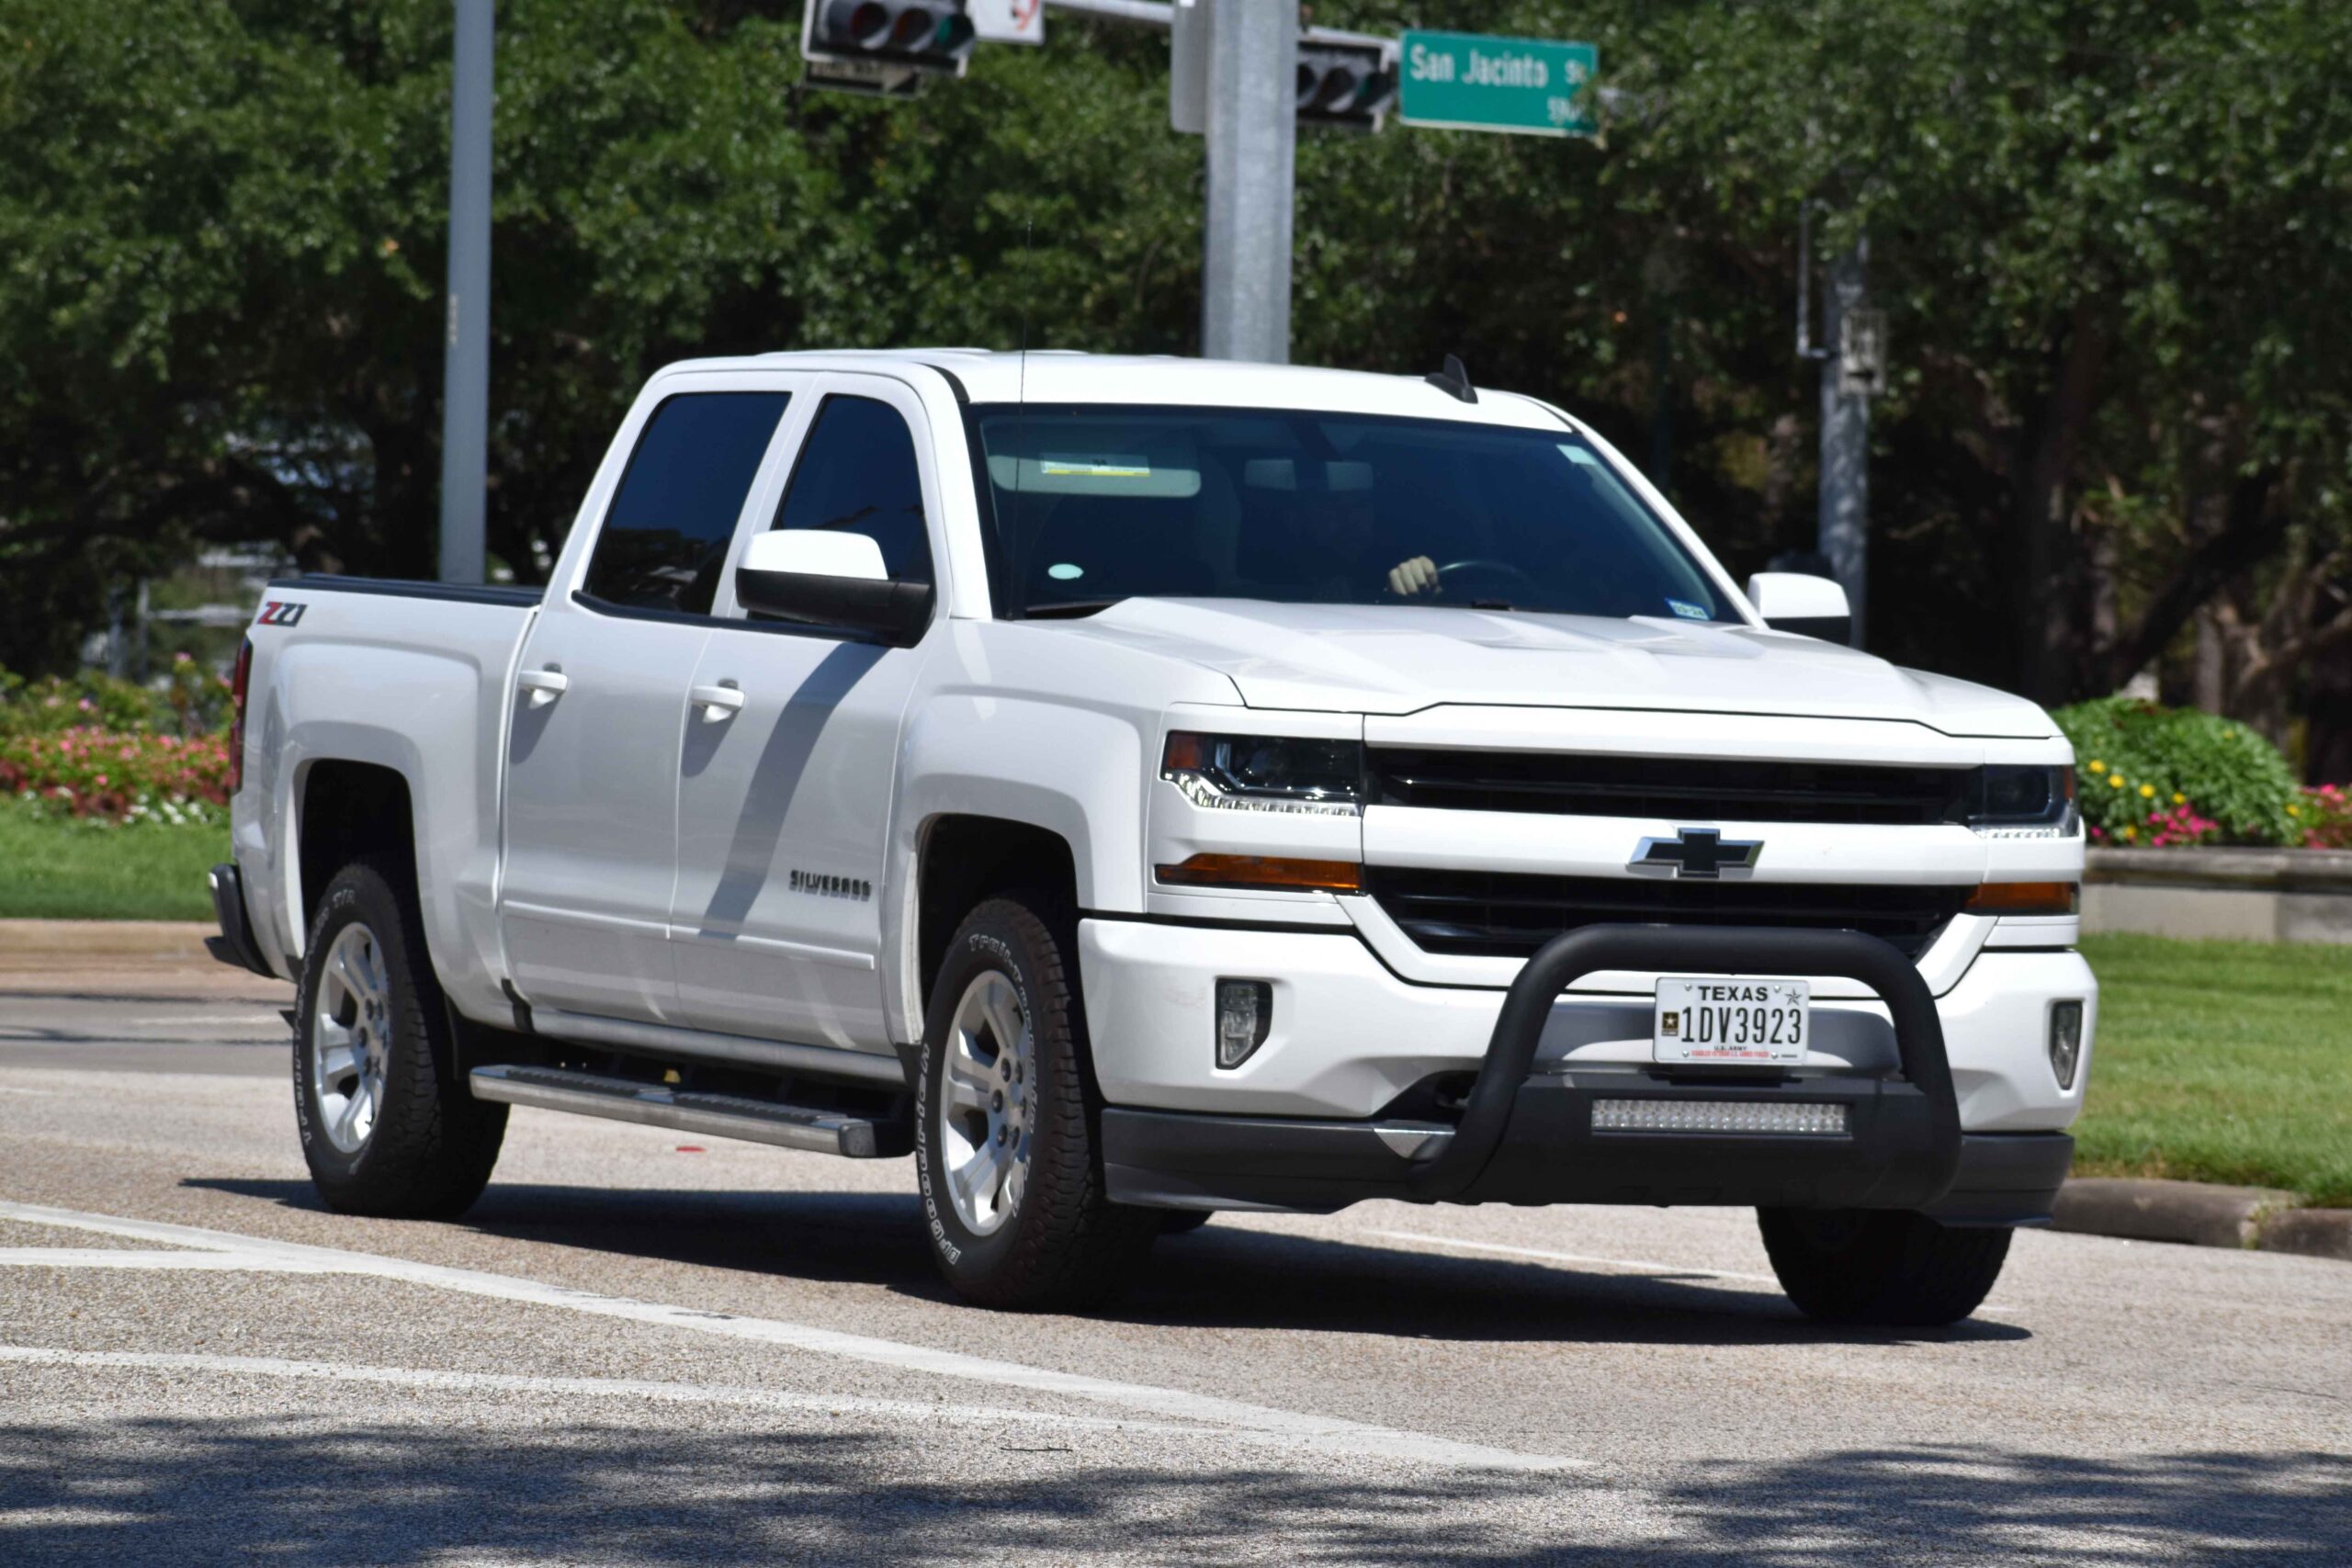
(1845, 518)
(465, 381)
(1852, 353)
(1252, 136)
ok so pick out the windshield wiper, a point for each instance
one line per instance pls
(1067, 609)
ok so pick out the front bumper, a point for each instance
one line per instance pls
(1350, 1036)
(1550, 1155)
(1533, 1137)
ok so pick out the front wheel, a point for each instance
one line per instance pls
(1879, 1265)
(1006, 1123)
(389, 1126)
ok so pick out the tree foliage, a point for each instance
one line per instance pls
(2112, 237)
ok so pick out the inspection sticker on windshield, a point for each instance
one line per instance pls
(1113, 465)
(1766, 1021)
(1687, 610)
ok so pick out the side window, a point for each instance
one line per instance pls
(857, 473)
(665, 537)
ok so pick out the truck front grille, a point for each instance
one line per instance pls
(1681, 789)
(1509, 914)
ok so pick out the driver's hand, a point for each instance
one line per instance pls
(1416, 576)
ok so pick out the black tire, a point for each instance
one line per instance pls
(432, 1145)
(1061, 1243)
(1887, 1267)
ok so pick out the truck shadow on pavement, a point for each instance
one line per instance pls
(1221, 1276)
(322, 1488)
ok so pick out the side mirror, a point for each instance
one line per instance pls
(822, 579)
(1810, 606)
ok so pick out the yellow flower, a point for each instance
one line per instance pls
(2229, 735)
(2179, 798)
(2147, 792)
(2131, 832)
(2097, 766)
(2115, 781)
(2294, 811)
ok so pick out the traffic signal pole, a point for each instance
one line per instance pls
(465, 374)
(1252, 144)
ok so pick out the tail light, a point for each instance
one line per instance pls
(238, 680)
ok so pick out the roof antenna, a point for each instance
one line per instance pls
(1453, 380)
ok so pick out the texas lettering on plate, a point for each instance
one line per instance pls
(1720, 1020)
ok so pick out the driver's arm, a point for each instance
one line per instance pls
(1417, 575)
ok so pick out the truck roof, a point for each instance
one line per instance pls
(1067, 376)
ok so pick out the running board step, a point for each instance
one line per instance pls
(686, 1110)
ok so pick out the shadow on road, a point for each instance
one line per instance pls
(1221, 1276)
(324, 1490)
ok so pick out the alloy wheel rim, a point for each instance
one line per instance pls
(351, 1035)
(987, 1103)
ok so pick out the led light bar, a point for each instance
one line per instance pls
(1815, 1119)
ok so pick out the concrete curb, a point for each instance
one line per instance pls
(2197, 1214)
(2314, 1232)
(32, 943)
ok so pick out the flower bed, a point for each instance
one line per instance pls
(2175, 778)
(113, 753)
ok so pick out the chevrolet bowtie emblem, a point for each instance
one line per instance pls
(1697, 851)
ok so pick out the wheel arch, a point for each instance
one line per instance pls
(963, 859)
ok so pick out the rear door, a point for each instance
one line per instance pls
(785, 802)
(591, 813)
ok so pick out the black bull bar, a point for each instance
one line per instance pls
(1531, 1137)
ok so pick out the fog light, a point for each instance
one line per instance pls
(2065, 1041)
(1817, 1120)
(1245, 1011)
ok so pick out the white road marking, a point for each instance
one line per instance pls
(110, 1257)
(1251, 1422)
(618, 1388)
(1997, 1309)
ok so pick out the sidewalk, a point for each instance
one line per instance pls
(125, 958)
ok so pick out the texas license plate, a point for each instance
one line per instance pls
(1767, 1021)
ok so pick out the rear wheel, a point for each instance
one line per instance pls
(1880, 1266)
(1006, 1123)
(389, 1126)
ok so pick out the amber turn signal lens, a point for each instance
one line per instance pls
(1263, 872)
(2024, 898)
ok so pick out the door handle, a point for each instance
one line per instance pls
(718, 703)
(545, 685)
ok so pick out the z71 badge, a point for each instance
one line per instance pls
(280, 613)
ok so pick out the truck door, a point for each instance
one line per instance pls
(784, 802)
(591, 810)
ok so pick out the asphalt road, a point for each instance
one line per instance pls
(636, 1350)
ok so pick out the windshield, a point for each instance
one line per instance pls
(1095, 504)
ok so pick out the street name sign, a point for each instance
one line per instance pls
(1470, 82)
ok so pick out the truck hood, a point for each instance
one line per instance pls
(1402, 659)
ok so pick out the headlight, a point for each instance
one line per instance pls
(1266, 773)
(2025, 802)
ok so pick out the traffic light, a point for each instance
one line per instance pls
(1345, 80)
(910, 35)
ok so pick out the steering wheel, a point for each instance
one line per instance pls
(1487, 564)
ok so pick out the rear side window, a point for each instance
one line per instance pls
(665, 539)
(857, 475)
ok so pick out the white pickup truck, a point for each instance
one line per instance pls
(1143, 786)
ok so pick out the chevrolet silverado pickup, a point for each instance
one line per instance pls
(1139, 787)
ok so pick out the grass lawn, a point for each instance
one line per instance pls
(75, 871)
(2221, 1061)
